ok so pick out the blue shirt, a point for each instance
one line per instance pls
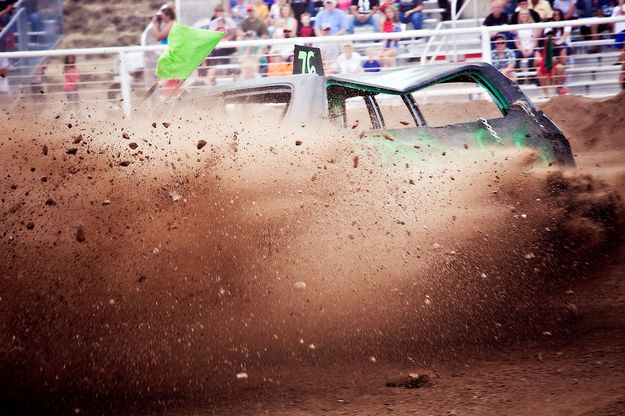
(371, 66)
(336, 19)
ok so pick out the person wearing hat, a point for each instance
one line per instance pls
(162, 23)
(331, 19)
(349, 61)
(503, 58)
(253, 24)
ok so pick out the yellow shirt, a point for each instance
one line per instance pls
(543, 8)
(262, 11)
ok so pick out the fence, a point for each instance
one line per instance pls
(118, 77)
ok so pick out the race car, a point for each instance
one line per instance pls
(400, 107)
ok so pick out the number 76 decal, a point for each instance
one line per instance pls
(307, 60)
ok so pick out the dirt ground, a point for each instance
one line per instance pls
(210, 266)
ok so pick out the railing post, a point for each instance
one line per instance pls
(22, 30)
(124, 81)
(486, 57)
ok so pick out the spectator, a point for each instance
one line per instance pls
(261, 9)
(446, 5)
(411, 11)
(4, 76)
(250, 57)
(71, 79)
(365, 12)
(285, 20)
(619, 27)
(349, 61)
(534, 17)
(220, 56)
(253, 24)
(561, 38)
(6, 11)
(372, 64)
(306, 30)
(543, 8)
(238, 11)
(162, 23)
(332, 18)
(390, 24)
(274, 10)
(300, 7)
(497, 18)
(568, 7)
(525, 41)
(503, 58)
(279, 67)
(550, 70)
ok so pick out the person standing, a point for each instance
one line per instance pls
(162, 23)
(71, 79)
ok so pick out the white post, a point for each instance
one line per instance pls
(475, 16)
(454, 17)
(124, 81)
(486, 57)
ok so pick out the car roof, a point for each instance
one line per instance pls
(395, 80)
(408, 79)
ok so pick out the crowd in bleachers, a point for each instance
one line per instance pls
(546, 52)
(542, 52)
(280, 19)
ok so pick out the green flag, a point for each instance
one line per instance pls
(548, 54)
(186, 49)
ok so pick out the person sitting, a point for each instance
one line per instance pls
(253, 24)
(523, 5)
(503, 58)
(568, 7)
(561, 38)
(390, 24)
(349, 61)
(411, 11)
(543, 8)
(372, 64)
(497, 18)
(332, 18)
(305, 29)
(550, 69)
(365, 12)
(526, 41)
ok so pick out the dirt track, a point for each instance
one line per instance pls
(151, 277)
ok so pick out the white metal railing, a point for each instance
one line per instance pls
(111, 73)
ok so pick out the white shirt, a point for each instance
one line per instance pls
(565, 5)
(618, 26)
(351, 65)
(526, 36)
